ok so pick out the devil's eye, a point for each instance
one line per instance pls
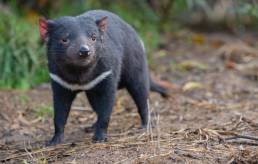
(93, 37)
(65, 41)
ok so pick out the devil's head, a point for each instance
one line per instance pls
(73, 40)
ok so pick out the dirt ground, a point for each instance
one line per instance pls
(211, 116)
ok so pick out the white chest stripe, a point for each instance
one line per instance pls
(75, 87)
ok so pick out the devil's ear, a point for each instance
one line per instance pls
(44, 27)
(102, 24)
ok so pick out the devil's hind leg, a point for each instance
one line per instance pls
(139, 88)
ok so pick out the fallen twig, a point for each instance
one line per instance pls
(243, 143)
(237, 136)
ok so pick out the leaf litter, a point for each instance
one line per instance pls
(215, 124)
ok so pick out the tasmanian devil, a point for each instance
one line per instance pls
(97, 53)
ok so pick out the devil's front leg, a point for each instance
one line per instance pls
(102, 99)
(63, 99)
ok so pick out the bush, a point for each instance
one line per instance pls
(22, 58)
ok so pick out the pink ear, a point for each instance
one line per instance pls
(43, 23)
(102, 23)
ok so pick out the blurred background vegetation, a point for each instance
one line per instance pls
(22, 54)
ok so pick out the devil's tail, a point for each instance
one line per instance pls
(155, 87)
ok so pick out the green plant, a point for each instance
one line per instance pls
(22, 59)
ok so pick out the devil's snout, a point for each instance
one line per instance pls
(84, 51)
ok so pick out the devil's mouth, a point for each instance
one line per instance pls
(77, 62)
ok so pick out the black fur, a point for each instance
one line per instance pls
(117, 47)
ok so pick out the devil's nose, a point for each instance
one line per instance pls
(84, 51)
